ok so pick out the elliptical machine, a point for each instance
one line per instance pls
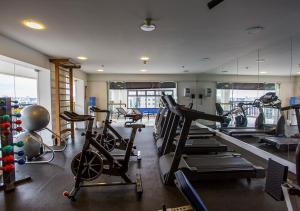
(95, 160)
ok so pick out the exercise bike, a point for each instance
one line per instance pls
(95, 160)
(109, 138)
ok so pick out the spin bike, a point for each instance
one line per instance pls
(110, 139)
(95, 160)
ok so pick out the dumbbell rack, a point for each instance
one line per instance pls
(8, 177)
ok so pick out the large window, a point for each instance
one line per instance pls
(145, 98)
(18, 82)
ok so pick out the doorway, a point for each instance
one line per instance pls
(79, 100)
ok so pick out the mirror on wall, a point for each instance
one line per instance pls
(261, 83)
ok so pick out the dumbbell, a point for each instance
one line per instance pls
(7, 149)
(17, 122)
(19, 153)
(5, 117)
(16, 115)
(18, 144)
(5, 125)
(12, 106)
(7, 168)
(11, 159)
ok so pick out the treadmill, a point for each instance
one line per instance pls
(202, 167)
(159, 121)
(193, 145)
(268, 100)
(283, 143)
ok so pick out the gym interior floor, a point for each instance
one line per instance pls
(50, 180)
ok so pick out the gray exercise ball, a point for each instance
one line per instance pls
(34, 117)
(32, 144)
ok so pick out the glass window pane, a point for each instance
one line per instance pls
(151, 102)
(132, 102)
(6, 86)
(141, 92)
(168, 92)
(142, 102)
(131, 92)
(26, 90)
(158, 92)
(150, 92)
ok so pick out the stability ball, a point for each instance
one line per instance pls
(35, 117)
(32, 144)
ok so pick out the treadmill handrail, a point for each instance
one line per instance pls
(290, 107)
(191, 113)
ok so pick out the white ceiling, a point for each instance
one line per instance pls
(107, 32)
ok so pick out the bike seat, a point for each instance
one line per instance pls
(74, 117)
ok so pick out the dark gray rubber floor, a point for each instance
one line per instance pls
(50, 180)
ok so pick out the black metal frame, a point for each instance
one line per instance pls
(117, 167)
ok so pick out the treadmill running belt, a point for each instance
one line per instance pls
(282, 143)
(206, 164)
(245, 131)
(202, 142)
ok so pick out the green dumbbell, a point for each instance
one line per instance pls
(7, 149)
(19, 144)
(5, 117)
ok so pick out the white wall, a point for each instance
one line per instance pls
(97, 86)
(16, 50)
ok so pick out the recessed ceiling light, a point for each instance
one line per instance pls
(205, 59)
(143, 70)
(33, 24)
(144, 58)
(148, 26)
(100, 70)
(260, 60)
(255, 29)
(263, 72)
(82, 58)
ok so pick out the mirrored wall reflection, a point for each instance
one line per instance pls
(259, 93)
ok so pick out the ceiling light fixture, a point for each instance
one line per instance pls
(263, 72)
(82, 58)
(102, 68)
(143, 70)
(148, 26)
(205, 59)
(33, 24)
(145, 59)
(255, 29)
(224, 71)
(260, 60)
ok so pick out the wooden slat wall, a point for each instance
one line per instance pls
(62, 96)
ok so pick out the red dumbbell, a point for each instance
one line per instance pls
(7, 168)
(8, 159)
(11, 159)
(18, 122)
(5, 125)
(18, 129)
(5, 132)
